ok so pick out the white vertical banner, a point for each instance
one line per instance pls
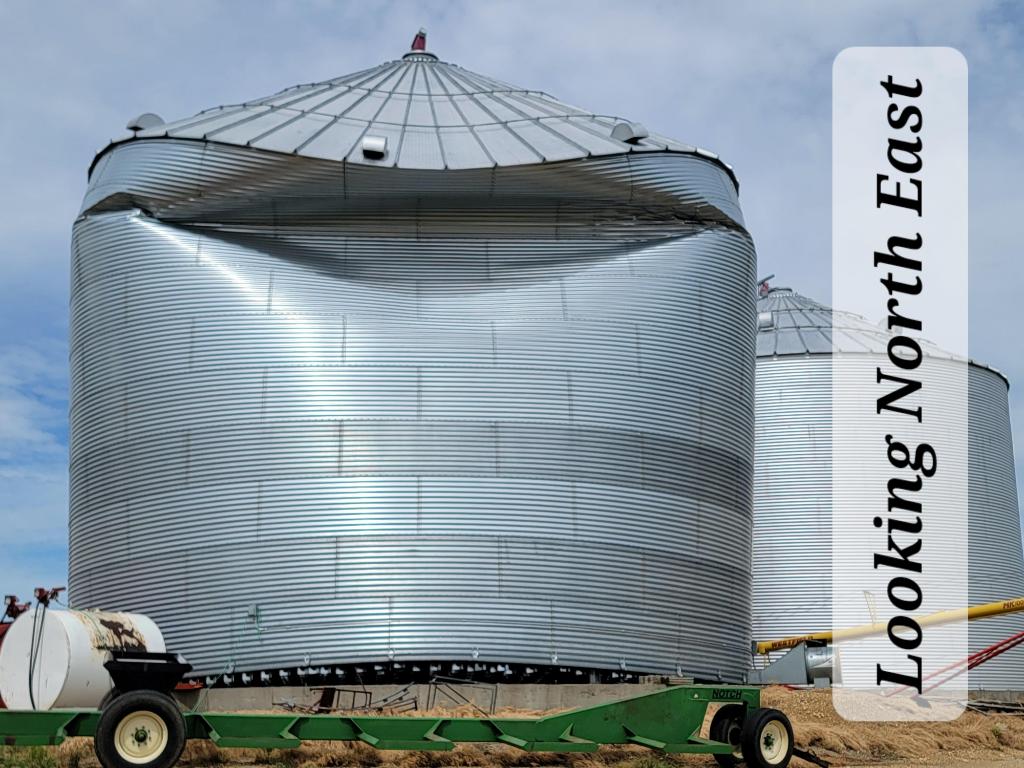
(900, 402)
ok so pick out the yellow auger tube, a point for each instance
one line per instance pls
(940, 617)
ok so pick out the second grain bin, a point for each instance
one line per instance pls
(793, 480)
(409, 366)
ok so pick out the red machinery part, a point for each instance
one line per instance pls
(12, 610)
(3, 631)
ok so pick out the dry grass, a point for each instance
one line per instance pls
(818, 727)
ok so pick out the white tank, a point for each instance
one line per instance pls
(69, 650)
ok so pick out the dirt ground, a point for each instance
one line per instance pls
(978, 740)
(973, 739)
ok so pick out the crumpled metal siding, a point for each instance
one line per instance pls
(792, 553)
(198, 182)
(503, 415)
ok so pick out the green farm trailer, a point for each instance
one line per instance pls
(144, 726)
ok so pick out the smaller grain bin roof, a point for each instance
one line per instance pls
(789, 323)
(417, 112)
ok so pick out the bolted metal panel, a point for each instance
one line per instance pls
(792, 565)
(359, 414)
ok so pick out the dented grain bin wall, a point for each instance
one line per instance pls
(480, 390)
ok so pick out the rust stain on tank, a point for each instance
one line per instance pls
(112, 632)
(125, 637)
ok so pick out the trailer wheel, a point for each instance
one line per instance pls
(727, 726)
(140, 728)
(767, 739)
(108, 697)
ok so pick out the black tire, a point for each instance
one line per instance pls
(767, 739)
(110, 695)
(145, 726)
(727, 726)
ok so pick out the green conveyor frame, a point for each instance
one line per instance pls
(669, 721)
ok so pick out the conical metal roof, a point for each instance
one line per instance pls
(789, 323)
(432, 114)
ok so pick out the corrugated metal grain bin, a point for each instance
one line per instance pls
(415, 365)
(793, 480)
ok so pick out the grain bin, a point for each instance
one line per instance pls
(793, 479)
(415, 365)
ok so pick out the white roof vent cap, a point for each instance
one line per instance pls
(144, 122)
(630, 133)
(375, 147)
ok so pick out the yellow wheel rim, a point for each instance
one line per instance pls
(141, 737)
(774, 742)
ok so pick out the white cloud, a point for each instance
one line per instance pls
(33, 395)
(25, 569)
(22, 427)
(33, 443)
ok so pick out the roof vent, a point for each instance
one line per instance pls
(765, 321)
(375, 147)
(630, 133)
(144, 122)
(418, 49)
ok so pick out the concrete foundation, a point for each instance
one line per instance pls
(533, 697)
(526, 696)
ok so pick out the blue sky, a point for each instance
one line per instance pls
(749, 80)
